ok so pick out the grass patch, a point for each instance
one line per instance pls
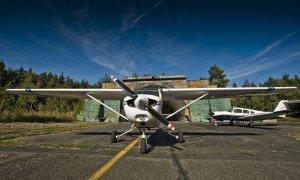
(42, 117)
(289, 119)
(22, 129)
(56, 145)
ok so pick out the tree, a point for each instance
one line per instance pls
(217, 76)
(61, 80)
(134, 75)
(2, 73)
(234, 85)
(247, 84)
(104, 79)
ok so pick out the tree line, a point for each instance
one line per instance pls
(21, 78)
(266, 103)
(269, 102)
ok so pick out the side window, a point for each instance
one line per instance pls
(130, 103)
(152, 102)
(237, 111)
(245, 111)
(252, 112)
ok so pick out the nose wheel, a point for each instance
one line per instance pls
(143, 146)
(143, 143)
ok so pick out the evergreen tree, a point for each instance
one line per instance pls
(217, 76)
(2, 73)
(134, 74)
(104, 79)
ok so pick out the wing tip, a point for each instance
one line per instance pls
(113, 78)
(171, 126)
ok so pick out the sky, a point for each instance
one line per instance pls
(86, 39)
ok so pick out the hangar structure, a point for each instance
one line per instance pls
(198, 112)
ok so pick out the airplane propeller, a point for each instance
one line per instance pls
(141, 102)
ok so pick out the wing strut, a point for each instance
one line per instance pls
(186, 105)
(107, 107)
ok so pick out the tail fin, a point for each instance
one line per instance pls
(281, 107)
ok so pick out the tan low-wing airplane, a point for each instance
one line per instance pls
(143, 107)
(251, 115)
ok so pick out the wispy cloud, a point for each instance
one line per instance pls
(95, 43)
(271, 56)
(50, 45)
(98, 49)
(271, 46)
(136, 20)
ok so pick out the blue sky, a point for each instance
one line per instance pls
(251, 39)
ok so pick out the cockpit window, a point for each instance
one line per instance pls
(130, 103)
(152, 102)
(229, 110)
(238, 110)
(245, 111)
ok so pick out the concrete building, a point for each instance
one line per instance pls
(198, 111)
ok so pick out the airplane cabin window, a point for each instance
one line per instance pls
(130, 103)
(245, 111)
(152, 102)
(238, 111)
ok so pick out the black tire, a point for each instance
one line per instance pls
(113, 137)
(231, 123)
(143, 146)
(250, 125)
(180, 137)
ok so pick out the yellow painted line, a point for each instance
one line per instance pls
(108, 165)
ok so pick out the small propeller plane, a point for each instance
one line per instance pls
(243, 114)
(143, 107)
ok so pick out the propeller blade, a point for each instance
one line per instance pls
(152, 111)
(123, 86)
(159, 116)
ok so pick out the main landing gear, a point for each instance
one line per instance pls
(143, 141)
(251, 124)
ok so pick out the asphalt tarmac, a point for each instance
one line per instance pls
(223, 152)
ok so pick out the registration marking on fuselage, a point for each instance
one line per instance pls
(108, 165)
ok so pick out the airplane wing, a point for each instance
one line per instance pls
(173, 94)
(102, 94)
(214, 93)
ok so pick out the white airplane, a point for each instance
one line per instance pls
(243, 114)
(143, 107)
